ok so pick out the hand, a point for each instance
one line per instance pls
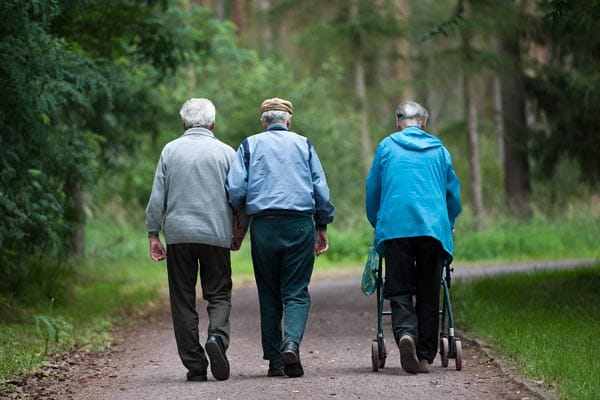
(236, 242)
(157, 250)
(239, 232)
(321, 243)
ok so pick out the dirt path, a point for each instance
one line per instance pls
(143, 362)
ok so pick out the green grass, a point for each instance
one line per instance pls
(546, 322)
(539, 239)
(116, 284)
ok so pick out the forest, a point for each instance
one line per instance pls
(91, 91)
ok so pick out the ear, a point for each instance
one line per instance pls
(212, 126)
(423, 123)
(398, 124)
(288, 122)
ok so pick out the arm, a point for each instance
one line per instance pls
(373, 191)
(155, 212)
(452, 194)
(323, 206)
(237, 180)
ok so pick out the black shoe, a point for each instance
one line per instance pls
(291, 359)
(276, 368)
(219, 365)
(197, 376)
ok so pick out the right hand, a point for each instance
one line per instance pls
(157, 250)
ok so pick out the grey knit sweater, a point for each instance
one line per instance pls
(188, 199)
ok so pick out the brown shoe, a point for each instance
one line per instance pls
(408, 355)
(424, 366)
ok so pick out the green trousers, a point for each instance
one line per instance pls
(283, 258)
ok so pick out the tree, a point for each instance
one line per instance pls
(68, 72)
(566, 87)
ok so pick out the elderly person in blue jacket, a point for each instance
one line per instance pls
(277, 178)
(412, 201)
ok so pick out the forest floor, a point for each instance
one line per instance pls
(142, 362)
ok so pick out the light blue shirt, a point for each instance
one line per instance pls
(278, 171)
(412, 189)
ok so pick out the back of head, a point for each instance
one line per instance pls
(197, 113)
(411, 111)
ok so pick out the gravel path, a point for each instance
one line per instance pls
(336, 354)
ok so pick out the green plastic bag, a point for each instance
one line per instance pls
(369, 276)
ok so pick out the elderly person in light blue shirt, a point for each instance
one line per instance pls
(412, 201)
(277, 178)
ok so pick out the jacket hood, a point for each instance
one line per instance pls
(414, 138)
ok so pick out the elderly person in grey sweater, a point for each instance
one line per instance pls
(189, 203)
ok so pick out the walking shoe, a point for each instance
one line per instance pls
(408, 355)
(197, 376)
(291, 359)
(219, 365)
(424, 366)
(276, 368)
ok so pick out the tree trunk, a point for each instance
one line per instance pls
(403, 65)
(267, 29)
(75, 216)
(470, 99)
(516, 165)
(360, 89)
(498, 120)
(474, 158)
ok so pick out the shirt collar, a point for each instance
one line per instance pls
(277, 127)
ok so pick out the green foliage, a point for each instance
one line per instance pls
(543, 321)
(79, 85)
(566, 87)
(116, 285)
(51, 329)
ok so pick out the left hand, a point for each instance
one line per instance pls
(321, 243)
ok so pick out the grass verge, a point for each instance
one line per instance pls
(545, 322)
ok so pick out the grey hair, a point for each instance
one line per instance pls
(197, 113)
(274, 117)
(411, 110)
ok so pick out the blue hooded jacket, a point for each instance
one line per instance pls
(412, 189)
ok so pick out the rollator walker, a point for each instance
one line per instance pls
(449, 345)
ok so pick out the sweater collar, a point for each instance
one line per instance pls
(198, 132)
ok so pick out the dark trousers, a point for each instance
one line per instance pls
(413, 267)
(214, 264)
(283, 257)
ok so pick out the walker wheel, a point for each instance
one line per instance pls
(444, 348)
(383, 353)
(458, 347)
(375, 356)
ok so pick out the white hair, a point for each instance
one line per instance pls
(197, 113)
(274, 117)
(411, 110)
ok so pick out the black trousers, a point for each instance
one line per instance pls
(184, 261)
(413, 267)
